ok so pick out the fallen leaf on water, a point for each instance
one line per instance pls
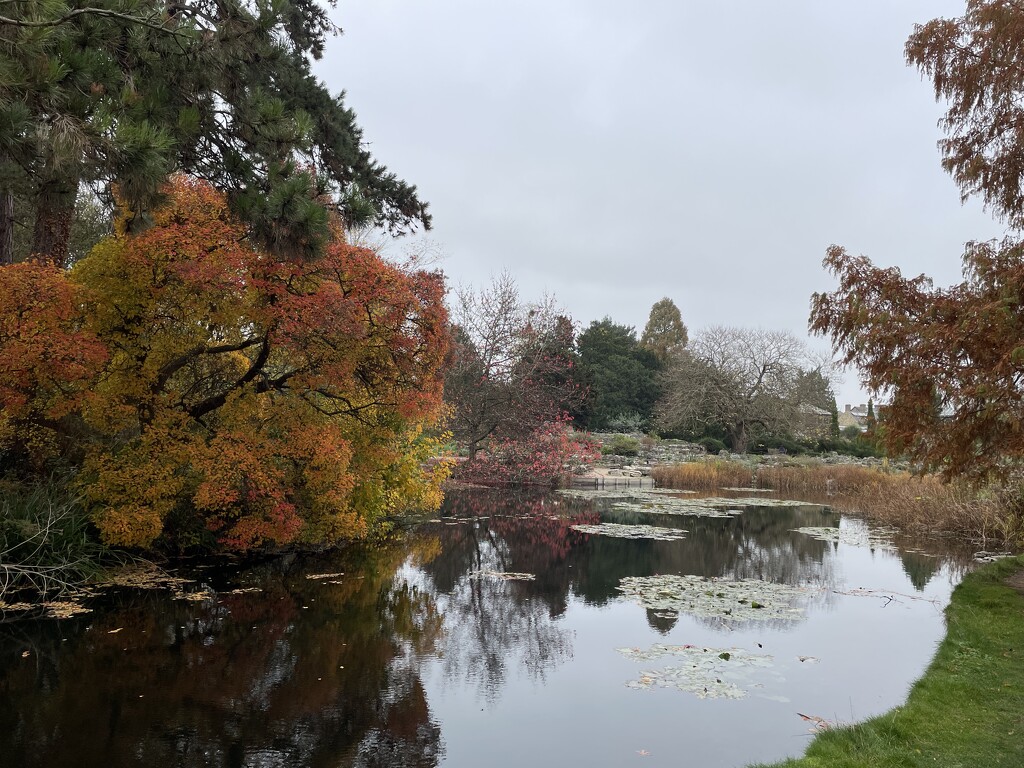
(25, 654)
(64, 610)
(643, 752)
(115, 631)
(820, 723)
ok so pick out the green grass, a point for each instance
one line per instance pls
(968, 708)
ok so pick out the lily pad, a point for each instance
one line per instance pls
(854, 536)
(620, 531)
(990, 557)
(708, 673)
(666, 506)
(501, 575)
(730, 601)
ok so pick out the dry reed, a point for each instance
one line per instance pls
(911, 503)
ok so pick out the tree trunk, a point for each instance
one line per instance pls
(738, 437)
(6, 226)
(55, 210)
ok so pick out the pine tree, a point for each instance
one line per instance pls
(125, 93)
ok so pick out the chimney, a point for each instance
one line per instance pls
(847, 408)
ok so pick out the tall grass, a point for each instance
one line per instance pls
(992, 518)
(46, 541)
(703, 475)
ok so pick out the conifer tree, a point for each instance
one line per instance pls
(665, 331)
(126, 92)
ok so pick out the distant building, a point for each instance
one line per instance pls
(854, 417)
(815, 422)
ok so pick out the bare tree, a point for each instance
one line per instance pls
(511, 364)
(737, 378)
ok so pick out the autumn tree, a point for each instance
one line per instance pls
(665, 332)
(47, 363)
(736, 378)
(233, 394)
(511, 366)
(949, 361)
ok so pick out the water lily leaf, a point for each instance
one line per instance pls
(621, 531)
(744, 600)
(708, 673)
(501, 575)
(855, 534)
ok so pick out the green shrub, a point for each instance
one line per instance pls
(623, 445)
(712, 445)
(851, 432)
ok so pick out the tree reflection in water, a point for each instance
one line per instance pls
(493, 625)
(302, 673)
(334, 671)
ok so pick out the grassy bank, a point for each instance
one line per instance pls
(968, 708)
(991, 518)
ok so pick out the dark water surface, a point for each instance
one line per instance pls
(408, 660)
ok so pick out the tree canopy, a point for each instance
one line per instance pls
(665, 332)
(950, 361)
(124, 93)
(738, 379)
(206, 391)
(512, 365)
(620, 373)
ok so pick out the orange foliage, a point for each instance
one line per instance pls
(265, 402)
(46, 358)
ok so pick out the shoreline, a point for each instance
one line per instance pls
(967, 709)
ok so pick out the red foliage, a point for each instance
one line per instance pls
(266, 401)
(950, 359)
(545, 457)
(46, 360)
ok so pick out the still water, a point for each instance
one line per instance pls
(489, 636)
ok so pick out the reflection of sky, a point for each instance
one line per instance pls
(405, 661)
(866, 650)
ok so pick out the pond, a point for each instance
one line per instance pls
(570, 629)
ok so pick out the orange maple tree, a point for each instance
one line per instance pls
(46, 362)
(258, 400)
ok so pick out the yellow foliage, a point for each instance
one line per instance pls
(266, 402)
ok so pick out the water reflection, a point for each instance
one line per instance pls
(393, 662)
(300, 673)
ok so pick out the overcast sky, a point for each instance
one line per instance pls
(614, 153)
